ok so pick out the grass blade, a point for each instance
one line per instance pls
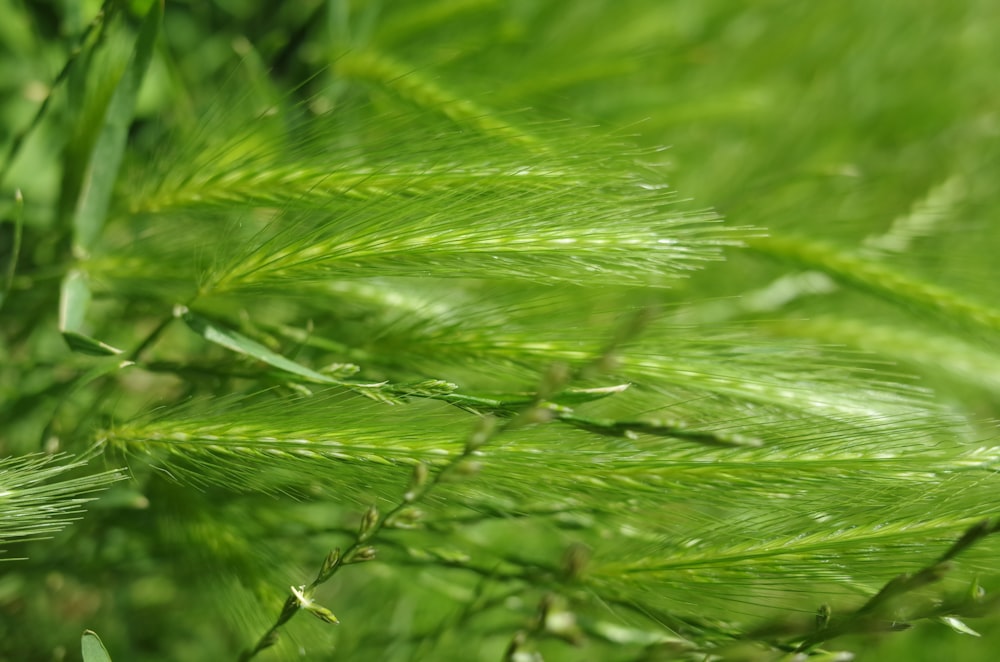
(93, 648)
(240, 344)
(17, 143)
(74, 300)
(106, 157)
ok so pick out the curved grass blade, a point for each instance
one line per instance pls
(106, 157)
(17, 143)
(240, 344)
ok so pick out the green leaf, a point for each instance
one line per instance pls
(958, 626)
(106, 157)
(240, 344)
(86, 345)
(74, 300)
(93, 648)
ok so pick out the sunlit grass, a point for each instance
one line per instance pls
(421, 283)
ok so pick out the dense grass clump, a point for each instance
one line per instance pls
(403, 315)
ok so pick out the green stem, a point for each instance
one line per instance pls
(880, 280)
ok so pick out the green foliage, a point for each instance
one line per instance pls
(93, 648)
(400, 297)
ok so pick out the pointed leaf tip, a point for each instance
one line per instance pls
(958, 626)
(237, 342)
(92, 648)
(74, 301)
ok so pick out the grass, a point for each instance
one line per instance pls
(402, 315)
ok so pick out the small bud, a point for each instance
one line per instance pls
(300, 597)
(330, 563)
(298, 389)
(304, 600)
(417, 482)
(341, 370)
(368, 523)
(361, 555)
(976, 592)
(408, 518)
(323, 614)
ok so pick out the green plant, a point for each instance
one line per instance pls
(334, 302)
(93, 648)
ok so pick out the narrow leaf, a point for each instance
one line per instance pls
(575, 395)
(240, 344)
(93, 648)
(74, 300)
(106, 156)
(86, 345)
(958, 626)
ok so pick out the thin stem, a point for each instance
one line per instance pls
(359, 551)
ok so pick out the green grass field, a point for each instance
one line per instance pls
(499, 330)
